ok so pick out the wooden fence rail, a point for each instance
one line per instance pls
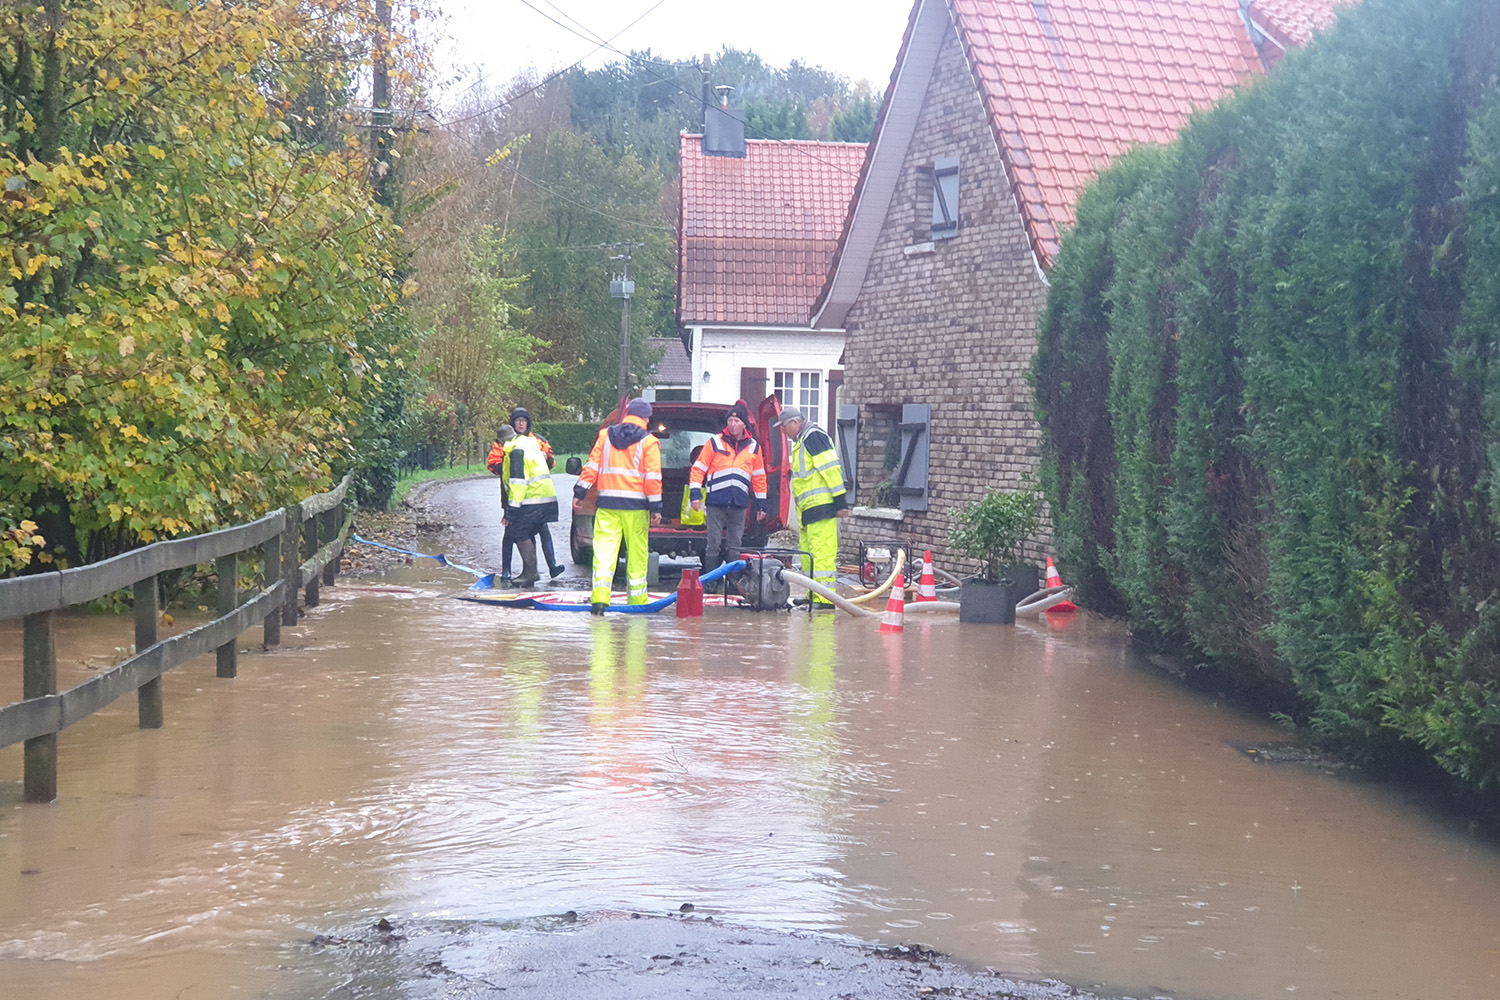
(318, 527)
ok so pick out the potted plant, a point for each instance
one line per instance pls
(992, 530)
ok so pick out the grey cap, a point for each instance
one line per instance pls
(505, 433)
(788, 414)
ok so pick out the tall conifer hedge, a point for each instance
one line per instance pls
(1272, 431)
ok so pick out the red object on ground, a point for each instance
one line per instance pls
(895, 608)
(690, 595)
(1054, 579)
(927, 586)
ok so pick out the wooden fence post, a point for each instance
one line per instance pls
(39, 679)
(291, 564)
(229, 572)
(330, 532)
(271, 561)
(310, 530)
(147, 615)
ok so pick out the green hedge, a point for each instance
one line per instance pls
(1264, 377)
(569, 438)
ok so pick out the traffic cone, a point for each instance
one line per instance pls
(895, 608)
(1054, 579)
(927, 588)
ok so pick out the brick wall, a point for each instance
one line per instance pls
(954, 328)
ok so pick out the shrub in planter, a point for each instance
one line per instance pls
(992, 530)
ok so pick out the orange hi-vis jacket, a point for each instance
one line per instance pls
(729, 470)
(626, 465)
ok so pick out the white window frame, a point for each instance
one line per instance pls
(799, 387)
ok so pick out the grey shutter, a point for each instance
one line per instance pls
(848, 441)
(753, 387)
(911, 475)
(945, 198)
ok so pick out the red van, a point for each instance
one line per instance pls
(681, 428)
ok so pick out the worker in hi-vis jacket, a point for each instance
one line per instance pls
(625, 464)
(818, 489)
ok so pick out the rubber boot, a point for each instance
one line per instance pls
(527, 549)
(554, 567)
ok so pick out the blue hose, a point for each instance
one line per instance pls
(645, 609)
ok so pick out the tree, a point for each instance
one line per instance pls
(198, 295)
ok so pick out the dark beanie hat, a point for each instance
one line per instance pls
(638, 407)
(519, 413)
(742, 410)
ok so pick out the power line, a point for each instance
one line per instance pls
(589, 208)
(566, 69)
(646, 64)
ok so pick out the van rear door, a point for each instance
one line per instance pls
(778, 468)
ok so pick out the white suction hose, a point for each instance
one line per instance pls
(855, 609)
(832, 595)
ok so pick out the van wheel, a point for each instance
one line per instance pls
(583, 555)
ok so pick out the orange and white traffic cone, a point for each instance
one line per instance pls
(927, 587)
(895, 608)
(1054, 579)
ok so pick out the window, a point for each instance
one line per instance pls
(944, 176)
(803, 390)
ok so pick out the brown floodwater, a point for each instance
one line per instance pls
(1024, 798)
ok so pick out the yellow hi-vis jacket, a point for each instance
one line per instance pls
(817, 477)
(529, 480)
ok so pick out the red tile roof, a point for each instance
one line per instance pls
(1294, 22)
(757, 234)
(1069, 84)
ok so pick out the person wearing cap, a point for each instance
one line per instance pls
(625, 464)
(520, 421)
(818, 489)
(531, 504)
(728, 478)
(498, 462)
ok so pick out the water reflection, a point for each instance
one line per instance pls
(1022, 798)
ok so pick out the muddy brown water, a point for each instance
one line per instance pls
(1029, 799)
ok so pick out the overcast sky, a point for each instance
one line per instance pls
(856, 38)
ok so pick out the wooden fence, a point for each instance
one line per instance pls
(293, 559)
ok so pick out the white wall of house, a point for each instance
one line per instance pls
(720, 352)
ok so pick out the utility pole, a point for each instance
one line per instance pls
(381, 93)
(623, 288)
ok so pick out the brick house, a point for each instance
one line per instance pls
(998, 113)
(758, 226)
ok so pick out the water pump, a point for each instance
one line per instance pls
(762, 586)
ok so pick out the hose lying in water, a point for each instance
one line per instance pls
(483, 581)
(828, 592)
(642, 609)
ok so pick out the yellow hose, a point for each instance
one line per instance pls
(872, 595)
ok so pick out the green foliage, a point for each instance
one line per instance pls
(1264, 377)
(993, 528)
(197, 301)
(581, 197)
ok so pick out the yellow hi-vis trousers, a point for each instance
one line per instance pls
(821, 540)
(611, 527)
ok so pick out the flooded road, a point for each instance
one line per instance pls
(1027, 799)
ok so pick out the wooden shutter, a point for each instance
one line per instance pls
(945, 198)
(753, 385)
(834, 384)
(848, 441)
(911, 475)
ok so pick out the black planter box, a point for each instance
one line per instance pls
(981, 603)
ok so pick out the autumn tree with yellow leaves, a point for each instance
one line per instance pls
(198, 298)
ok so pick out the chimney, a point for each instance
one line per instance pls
(723, 128)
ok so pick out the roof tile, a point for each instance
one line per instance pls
(757, 234)
(1066, 96)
